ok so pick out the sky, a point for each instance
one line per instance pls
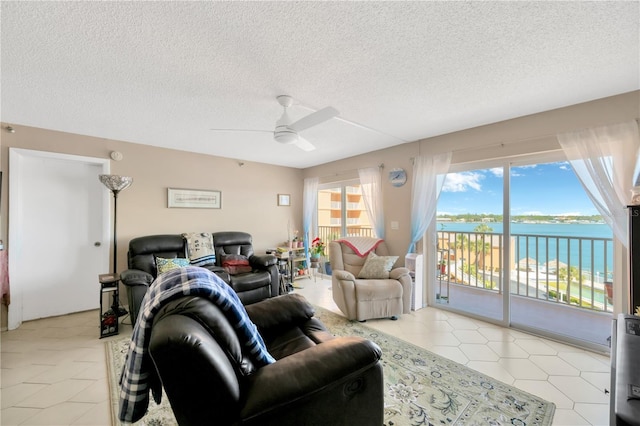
(542, 189)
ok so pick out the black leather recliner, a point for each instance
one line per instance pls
(317, 379)
(142, 265)
(263, 280)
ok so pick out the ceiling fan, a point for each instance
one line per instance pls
(286, 132)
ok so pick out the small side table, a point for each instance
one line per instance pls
(285, 275)
(109, 318)
(316, 264)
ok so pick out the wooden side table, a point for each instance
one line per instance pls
(109, 319)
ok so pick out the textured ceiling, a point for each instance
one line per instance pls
(166, 73)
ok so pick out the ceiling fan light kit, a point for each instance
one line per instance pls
(284, 135)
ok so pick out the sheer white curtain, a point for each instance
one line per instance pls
(429, 173)
(371, 187)
(605, 159)
(309, 205)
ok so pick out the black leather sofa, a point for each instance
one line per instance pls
(261, 283)
(317, 379)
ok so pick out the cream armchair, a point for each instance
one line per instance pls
(366, 298)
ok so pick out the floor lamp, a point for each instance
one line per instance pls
(116, 184)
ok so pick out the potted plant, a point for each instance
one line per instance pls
(442, 267)
(317, 248)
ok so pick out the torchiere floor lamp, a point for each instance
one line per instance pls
(116, 184)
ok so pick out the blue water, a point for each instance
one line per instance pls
(593, 230)
(565, 250)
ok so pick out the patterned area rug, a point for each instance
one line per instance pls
(421, 388)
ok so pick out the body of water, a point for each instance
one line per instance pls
(591, 230)
(575, 244)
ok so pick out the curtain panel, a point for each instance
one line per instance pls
(429, 173)
(371, 187)
(605, 159)
(309, 206)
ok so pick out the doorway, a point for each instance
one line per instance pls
(58, 233)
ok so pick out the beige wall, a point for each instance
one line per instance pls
(249, 192)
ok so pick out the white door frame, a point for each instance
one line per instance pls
(16, 159)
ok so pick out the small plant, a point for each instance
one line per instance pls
(317, 247)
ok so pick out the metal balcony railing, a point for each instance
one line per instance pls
(568, 270)
(330, 233)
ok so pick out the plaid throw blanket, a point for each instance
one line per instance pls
(138, 374)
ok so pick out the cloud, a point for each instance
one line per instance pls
(497, 171)
(462, 182)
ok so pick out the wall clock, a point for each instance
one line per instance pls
(397, 177)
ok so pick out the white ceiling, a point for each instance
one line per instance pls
(166, 73)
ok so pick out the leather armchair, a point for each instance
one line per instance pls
(263, 280)
(142, 265)
(317, 379)
(362, 299)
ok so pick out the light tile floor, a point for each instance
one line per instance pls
(54, 370)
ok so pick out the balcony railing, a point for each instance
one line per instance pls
(330, 233)
(567, 270)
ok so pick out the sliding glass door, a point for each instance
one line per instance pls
(522, 244)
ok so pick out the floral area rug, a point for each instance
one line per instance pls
(421, 388)
(158, 414)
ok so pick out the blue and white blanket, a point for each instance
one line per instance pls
(138, 372)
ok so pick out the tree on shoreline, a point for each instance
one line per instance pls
(480, 217)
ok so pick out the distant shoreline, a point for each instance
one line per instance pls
(564, 222)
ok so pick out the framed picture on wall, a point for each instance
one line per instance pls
(284, 199)
(194, 198)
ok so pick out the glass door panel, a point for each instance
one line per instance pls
(330, 213)
(469, 274)
(342, 212)
(562, 256)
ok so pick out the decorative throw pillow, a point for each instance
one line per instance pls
(165, 265)
(235, 264)
(377, 267)
(200, 248)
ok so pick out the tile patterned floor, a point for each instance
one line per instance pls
(54, 370)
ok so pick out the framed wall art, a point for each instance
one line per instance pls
(284, 199)
(194, 198)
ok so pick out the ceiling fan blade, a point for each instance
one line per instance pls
(304, 144)
(240, 130)
(314, 119)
